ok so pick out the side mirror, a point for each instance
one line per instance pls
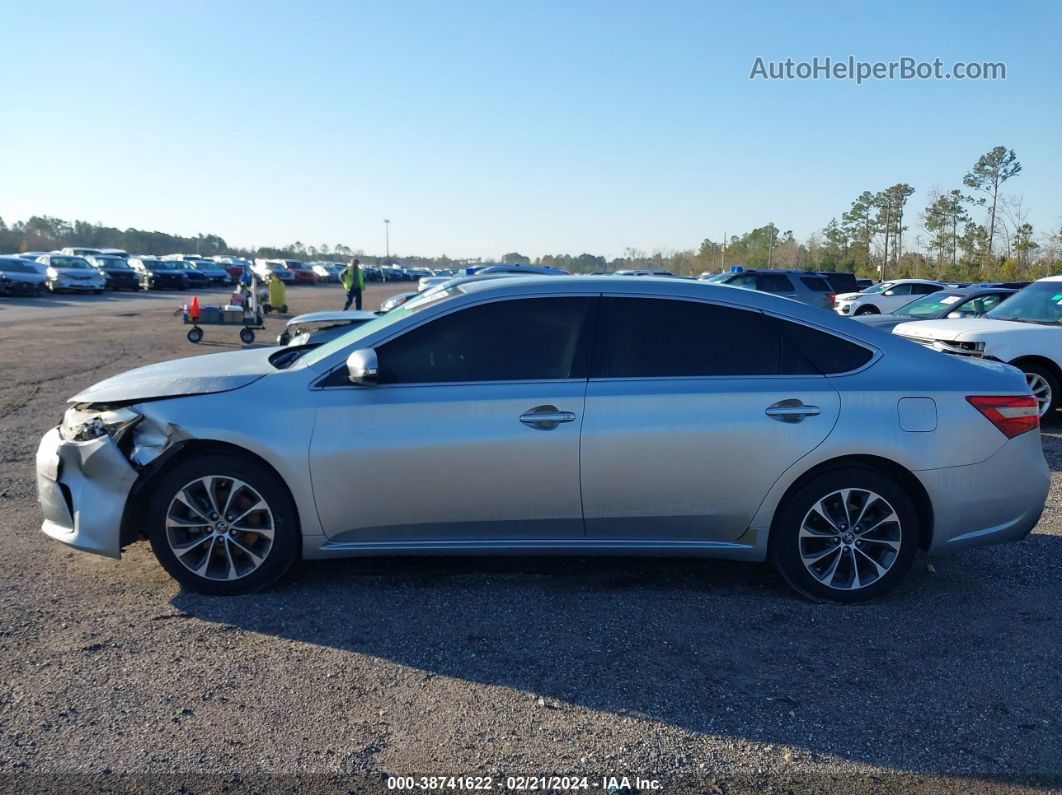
(890, 292)
(362, 367)
(954, 315)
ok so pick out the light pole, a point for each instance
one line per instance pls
(387, 240)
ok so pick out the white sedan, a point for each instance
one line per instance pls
(1025, 331)
(884, 297)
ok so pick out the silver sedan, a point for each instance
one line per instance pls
(590, 415)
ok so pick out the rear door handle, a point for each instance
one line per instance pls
(546, 418)
(791, 410)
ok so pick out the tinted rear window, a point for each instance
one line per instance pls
(664, 338)
(830, 354)
(816, 283)
(774, 283)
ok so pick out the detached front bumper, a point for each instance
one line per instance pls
(82, 488)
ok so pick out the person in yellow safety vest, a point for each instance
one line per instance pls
(353, 281)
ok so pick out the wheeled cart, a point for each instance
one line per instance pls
(249, 317)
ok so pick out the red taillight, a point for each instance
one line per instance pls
(1012, 415)
(830, 297)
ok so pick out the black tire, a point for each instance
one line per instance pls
(867, 309)
(1035, 370)
(97, 292)
(283, 309)
(246, 336)
(278, 557)
(195, 334)
(787, 549)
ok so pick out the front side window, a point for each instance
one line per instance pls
(662, 338)
(514, 340)
(748, 281)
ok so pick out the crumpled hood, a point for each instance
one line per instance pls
(196, 375)
(966, 329)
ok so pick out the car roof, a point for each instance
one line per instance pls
(911, 281)
(975, 289)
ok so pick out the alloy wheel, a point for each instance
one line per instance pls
(850, 539)
(219, 527)
(1041, 390)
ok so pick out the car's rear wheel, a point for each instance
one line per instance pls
(868, 309)
(1043, 385)
(220, 524)
(847, 535)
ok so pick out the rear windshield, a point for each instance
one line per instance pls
(16, 266)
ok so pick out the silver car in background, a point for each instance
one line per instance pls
(70, 273)
(585, 415)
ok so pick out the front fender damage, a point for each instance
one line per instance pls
(152, 438)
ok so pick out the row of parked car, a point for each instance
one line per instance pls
(82, 269)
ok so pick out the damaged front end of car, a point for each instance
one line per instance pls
(90, 469)
(94, 468)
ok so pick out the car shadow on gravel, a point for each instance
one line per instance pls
(956, 671)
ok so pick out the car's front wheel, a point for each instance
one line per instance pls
(846, 535)
(868, 309)
(220, 524)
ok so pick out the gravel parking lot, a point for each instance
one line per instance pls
(705, 676)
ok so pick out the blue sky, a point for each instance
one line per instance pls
(485, 127)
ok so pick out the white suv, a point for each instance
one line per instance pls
(884, 297)
(1025, 331)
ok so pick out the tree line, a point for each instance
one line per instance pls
(973, 231)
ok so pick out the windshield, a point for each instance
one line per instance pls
(929, 305)
(1040, 302)
(112, 262)
(879, 287)
(69, 262)
(355, 334)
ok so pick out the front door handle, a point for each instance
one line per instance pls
(791, 410)
(546, 418)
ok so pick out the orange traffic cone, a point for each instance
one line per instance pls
(193, 310)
